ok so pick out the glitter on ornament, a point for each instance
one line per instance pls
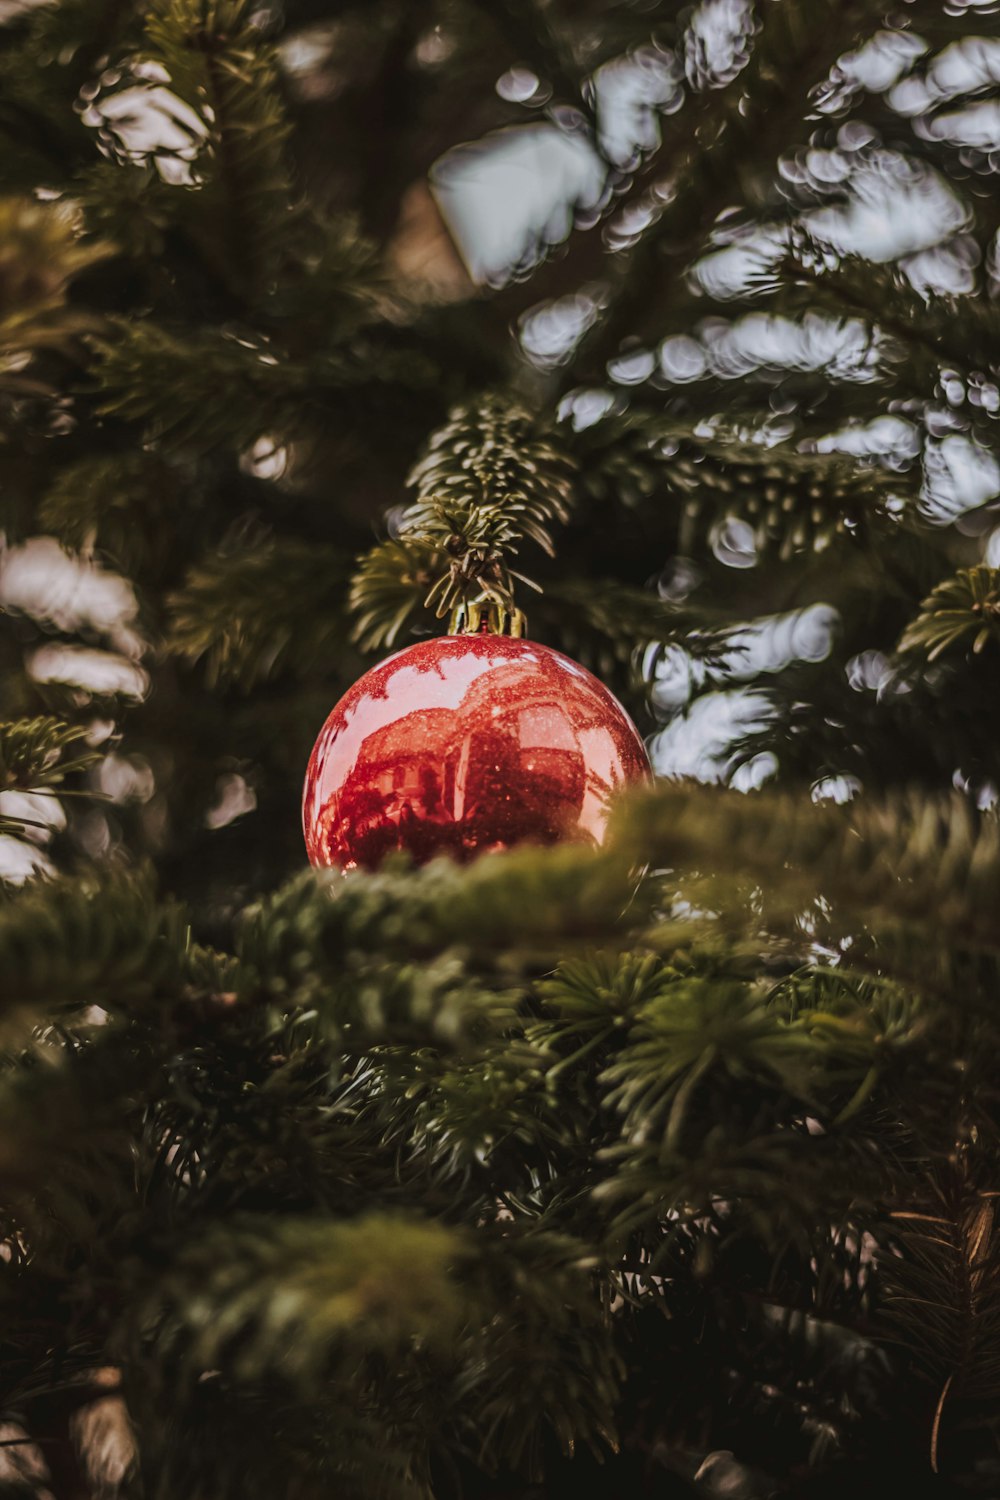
(463, 745)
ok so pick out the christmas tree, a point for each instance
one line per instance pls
(664, 1164)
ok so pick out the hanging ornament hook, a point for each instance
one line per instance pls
(486, 617)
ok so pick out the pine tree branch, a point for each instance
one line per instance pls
(540, 1284)
(102, 501)
(940, 1293)
(287, 1296)
(42, 250)
(706, 157)
(220, 64)
(795, 499)
(493, 476)
(194, 389)
(897, 859)
(962, 611)
(33, 753)
(390, 584)
(935, 332)
(311, 927)
(51, 57)
(66, 1143)
(228, 386)
(70, 944)
(254, 614)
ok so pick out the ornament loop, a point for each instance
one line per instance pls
(484, 617)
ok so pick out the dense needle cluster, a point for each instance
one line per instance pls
(666, 1170)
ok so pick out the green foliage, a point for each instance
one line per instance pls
(662, 1167)
(590, 998)
(392, 580)
(629, 1109)
(490, 478)
(926, 332)
(795, 500)
(962, 611)
(601, 622)
(218, 62)
(683, 1035)
(33, 753)
(41, 252)
(87, 942)
(102, 501)
(33, 759)
(727, 138)
(256, 612)
(941, 1292)
(572, 1381)
(67, 1165)
(167, 380)
(314, 919)
(901, 858)
(129, 207)
(287, 1298)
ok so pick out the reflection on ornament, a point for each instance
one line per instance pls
(465, 744)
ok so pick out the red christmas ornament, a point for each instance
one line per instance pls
(464, 744)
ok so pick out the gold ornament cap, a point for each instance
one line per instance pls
(486, 617)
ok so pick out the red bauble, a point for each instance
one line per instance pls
(464, 744)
